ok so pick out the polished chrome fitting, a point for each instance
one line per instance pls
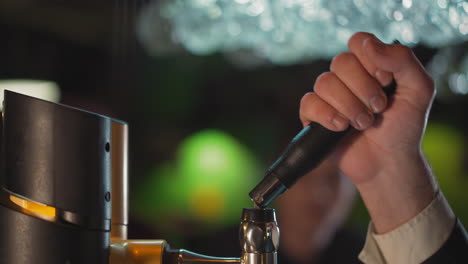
(259, 236)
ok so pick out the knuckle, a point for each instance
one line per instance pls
(306, 107)
(307, 100)
(323, 81)
(358, 37)
(342, 60)
(404, 51)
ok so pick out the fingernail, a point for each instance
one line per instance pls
(363, 120)
(377, 103)
(339, 122)
(383, 77)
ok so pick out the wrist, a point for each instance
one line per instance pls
(398, 192)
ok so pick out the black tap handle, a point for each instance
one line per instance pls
(304, 153)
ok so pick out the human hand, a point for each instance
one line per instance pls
(384, 159)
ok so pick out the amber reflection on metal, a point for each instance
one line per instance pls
(46, 212)
(137, 252)
(43, 210)
(35, 209)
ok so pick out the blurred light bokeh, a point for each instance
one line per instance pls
(292, 31)
(207, 181)
(445, 147)
(46, 90)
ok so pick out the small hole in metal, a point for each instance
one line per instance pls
(107, 147)
(107, 196)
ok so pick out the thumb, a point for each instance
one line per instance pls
(409, 74)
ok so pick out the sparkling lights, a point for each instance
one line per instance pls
(290, 31)
(449, 68)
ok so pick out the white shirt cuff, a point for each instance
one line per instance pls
(414, 241)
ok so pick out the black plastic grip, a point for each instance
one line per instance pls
(305, 152)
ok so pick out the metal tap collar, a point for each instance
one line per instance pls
(260, 215)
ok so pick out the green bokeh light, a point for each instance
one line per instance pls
(206, 185)
(444, 147)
